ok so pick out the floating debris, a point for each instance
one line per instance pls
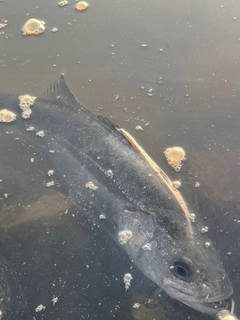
(144, 45)
(40, 308)
(197, 185)
(175, 156)
(102, 217)
(32, 160)
(33, 27)
(147, 247)
(50, 184)
(3, 25)
(192, 217)
(81, 6)
(7, 116)
(30, 129)
(138, 128)
(204, 229)
(50, 173)
(109, 173)
(127, 280)
(62, 3)
(177, 184)
(91, 185)
(207, 244)
(54, 29)
(150, 90)
(54, 300)
(124, 236)
(40, 134)
(136, 306)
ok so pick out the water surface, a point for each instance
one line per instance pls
(191, 63)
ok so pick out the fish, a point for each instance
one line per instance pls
(108, 174)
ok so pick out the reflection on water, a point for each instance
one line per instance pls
(172, 65)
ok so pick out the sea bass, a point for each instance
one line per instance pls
(109, 175)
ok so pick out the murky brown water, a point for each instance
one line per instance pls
(191, 63)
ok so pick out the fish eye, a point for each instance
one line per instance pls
(182, 270)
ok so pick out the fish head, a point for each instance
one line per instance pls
(181, 260)
(196, 276)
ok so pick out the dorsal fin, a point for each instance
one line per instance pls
(59, 91)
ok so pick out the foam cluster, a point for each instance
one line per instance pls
(124, 236)
(175, 156)
(25, 102)
(33, 27)
(7, 116)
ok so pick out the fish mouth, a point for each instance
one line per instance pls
(208, 305)
(210, 308)
(218, 305)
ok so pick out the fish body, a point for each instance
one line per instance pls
(108, 174)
